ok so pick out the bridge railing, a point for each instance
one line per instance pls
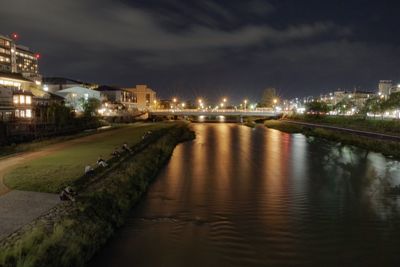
(257, 110)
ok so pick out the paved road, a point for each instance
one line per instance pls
(364, 133)
(18, 208)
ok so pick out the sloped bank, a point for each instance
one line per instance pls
(71, 233)
(386, 147)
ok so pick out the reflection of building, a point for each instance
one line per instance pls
(76, 96)
(143, 96)
(18, 59)
(54, 84)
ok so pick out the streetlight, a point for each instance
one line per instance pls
(245, 104)
(183, 105)
(224, 100)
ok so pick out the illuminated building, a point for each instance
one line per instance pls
(115, 95)
(76, 96)
(385, 87)
(16, 100)
(5, 54)
(18, 59)
(54, 84)
(143, 97)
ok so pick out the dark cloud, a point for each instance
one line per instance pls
(188, 47)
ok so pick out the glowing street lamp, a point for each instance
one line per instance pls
(245, 104)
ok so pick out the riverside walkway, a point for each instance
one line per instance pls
(19, 208)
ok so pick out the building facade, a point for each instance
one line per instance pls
(116, 95)
(54, 84)
(76, 96)
(18, 59)
(143, 97)
(5, 54)
(385, 87)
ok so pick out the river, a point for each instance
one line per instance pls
(238, 196)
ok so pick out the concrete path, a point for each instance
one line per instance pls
(19, 208)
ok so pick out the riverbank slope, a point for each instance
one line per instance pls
(389, 148)
(72, 232)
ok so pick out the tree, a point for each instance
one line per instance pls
(317, 107)
(393, 102)
(90, 107)
(372, 105)
(268, 97)
(344, 105)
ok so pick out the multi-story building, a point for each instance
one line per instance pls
(385, 87)
(116, 95)
(18, 59)
(143, 96)
(5, 54)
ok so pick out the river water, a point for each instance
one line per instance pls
(238, 196)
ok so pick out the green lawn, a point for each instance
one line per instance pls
(52, 172)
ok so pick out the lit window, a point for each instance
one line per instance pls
(16, 113)
(28, 99)
(28, 113)
(22, 99)
(22, 113)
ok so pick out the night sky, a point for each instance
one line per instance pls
(213, 48)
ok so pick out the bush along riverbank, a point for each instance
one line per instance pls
(386, 147)
(72, 232)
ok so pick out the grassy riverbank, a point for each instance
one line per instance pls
(71, 233)
(38, 144)
(50, 173)
(391, 127)
(388, 148)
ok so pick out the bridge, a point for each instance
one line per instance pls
(221, 113)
